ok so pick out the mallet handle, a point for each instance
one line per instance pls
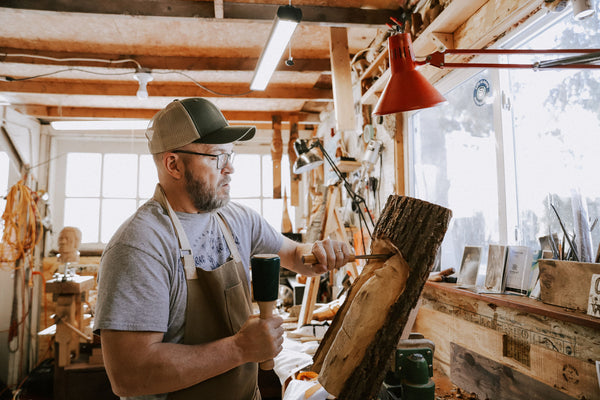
(266, 311)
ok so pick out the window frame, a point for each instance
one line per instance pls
(506, 174)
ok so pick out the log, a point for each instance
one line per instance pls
(353, 355)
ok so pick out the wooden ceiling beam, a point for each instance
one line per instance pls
(329, 16)
(10, 54)
(162, 89)
(233, 116)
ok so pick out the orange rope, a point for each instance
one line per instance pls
(21, 226)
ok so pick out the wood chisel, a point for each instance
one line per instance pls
(311, 259)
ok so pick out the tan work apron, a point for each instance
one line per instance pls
(218, 304)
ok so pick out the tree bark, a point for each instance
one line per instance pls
(355, 351)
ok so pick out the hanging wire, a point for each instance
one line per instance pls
(202, 86)
(100, 60)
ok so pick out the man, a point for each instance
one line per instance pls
(174, 303)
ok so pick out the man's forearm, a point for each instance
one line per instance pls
(165, 367)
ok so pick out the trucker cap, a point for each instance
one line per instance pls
(192, 120)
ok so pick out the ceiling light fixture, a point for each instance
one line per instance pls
(143, 76)
(284, 25)
(408, 90)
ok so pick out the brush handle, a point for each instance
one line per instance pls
(266, 311)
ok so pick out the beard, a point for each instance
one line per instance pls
(204, 198)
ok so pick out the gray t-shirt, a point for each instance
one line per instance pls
(141, 281)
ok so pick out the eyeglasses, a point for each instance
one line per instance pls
(222, 159)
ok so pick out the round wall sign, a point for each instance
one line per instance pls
(481, 92)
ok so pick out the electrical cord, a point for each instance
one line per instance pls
(100, 60)
(139, 67)
(202, 86)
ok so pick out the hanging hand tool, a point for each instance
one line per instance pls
(265, 285)
(311, 259)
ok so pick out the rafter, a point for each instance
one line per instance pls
(154, 61)
(162, 89)
(233, 116)
(329, 16)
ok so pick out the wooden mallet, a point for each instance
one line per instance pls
(265, 285)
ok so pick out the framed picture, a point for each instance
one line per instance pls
(517, 272)
(494, 275)
(467, 276)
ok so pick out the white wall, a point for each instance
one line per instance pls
(24, 133)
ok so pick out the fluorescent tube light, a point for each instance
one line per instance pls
(99, 125)
(283, 28)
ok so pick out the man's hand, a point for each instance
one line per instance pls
(260, 339)
(330, 254)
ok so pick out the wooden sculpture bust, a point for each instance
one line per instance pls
(69, 240)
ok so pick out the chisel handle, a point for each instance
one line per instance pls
(311, 259)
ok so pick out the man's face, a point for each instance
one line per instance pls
(207, 186)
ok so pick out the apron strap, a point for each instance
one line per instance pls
(185, 250)
(226, 231)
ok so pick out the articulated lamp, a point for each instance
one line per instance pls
(408, 90)
(284, 25)
(308, 159)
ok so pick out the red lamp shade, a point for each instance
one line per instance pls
(407, 89)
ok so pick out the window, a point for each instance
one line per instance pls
(255, 189)
(497, 166)
(455, 166)
(103, 190)
(106, 180)
(556, 130)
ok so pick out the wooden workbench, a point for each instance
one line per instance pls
(505, 346)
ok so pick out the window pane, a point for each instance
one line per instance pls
(455, 166)
(114, 213)
(120, 175)
(245, 181)
(267, 176)
(148, 176)
(273, 212)
(557, 134)
(252, 203)
(83, 174)
(83, 214)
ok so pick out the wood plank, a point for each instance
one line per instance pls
(276, 155)
(343, 99)
(292, 156)
(449, 293)
(489, 379)
(563, 283)
(161, 89)
(158, 62)
(352, 357)
(548, 362)
(491, 22)
(75, 284)
(54, 112)
(330, 16)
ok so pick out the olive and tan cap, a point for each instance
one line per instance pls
(192, 120)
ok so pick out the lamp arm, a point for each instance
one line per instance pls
(356, 198)
(437, 59)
